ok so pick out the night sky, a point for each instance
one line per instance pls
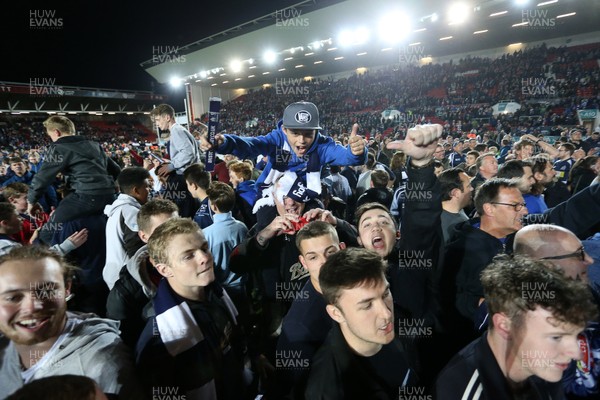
(101, 43)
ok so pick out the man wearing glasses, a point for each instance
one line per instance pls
(473, 245)
(556, 244)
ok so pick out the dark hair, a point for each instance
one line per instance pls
(512, 169)
(59, 387)
(315, 229)
(370, 161)
(197, 175)
(13, 160)
(132, 177)
(538, 162)
(473, 153)
(222, 196)
(584, 163)
(348, 269)
(380, 179)
(450, 180)
(152, 208)
(516, 285)
(488, 191)
(569, 147)
(480, 147)
(334, 169)
(368, 207)
(6, 211)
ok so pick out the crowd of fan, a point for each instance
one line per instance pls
(228, 301)
(540, 177)
(469, 87)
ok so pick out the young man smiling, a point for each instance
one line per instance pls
(40, 338)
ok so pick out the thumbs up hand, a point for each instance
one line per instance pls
(356, 143)
(420, 143)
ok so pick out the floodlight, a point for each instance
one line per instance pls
(458, 13)
(270, 57)
(236, 66)
(394, 27)
(346, 38)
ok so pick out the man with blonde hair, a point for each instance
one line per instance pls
(91, 175)
(191, 344)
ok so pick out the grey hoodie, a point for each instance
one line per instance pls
(93, 349)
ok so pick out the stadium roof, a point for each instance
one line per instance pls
(307, 39)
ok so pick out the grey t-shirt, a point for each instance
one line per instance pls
(449, 220)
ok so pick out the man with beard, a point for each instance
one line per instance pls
(521, 173)
(456, 195)
(40, 338)
(544, 174)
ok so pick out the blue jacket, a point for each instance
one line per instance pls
(272, 144)
(48, 199)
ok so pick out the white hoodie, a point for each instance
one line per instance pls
(122, 223)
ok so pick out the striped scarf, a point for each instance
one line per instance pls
(297, 178)
(180, 333)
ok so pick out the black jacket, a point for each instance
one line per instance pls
(474, 374)
(337, 373)
(376, 195)
(86, 168)
(467, 254)
(414, 262)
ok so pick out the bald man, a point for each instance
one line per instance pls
(556, 244)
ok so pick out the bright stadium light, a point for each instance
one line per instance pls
(458, 13)
(346, 38)
(357, 36)
(394, 27)
(270, 57)
(361, 35)
(203, 74)
(236, 66)
(175, 81)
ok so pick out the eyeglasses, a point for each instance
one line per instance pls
(580, 253)
(517, 206)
